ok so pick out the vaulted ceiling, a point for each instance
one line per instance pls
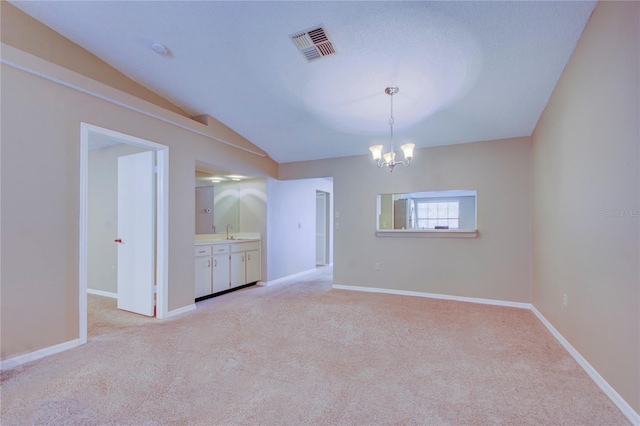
(467, 71)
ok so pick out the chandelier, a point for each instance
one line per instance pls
(389, 158)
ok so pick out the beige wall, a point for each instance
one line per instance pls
(40, 136)
(102, 216)
(27, 34)
(586, 199)
(495, 265)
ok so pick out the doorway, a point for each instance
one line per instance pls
(322, 228)
(92, 136)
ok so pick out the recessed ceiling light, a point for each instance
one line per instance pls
(160, 49)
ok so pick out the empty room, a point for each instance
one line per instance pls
(320, 212)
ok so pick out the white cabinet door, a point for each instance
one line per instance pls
(237, 269)
(203, 276)
(252, 266)
(220, 272)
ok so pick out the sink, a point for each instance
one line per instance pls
(222, 238)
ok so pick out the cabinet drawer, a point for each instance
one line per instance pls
(220, 249)
(255, 245)
(203, 251)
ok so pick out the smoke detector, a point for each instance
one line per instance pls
(160, 49)
(313, 43)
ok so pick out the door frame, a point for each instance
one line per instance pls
(162, 218)
(327, 226)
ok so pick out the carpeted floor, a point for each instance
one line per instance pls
(301, 353)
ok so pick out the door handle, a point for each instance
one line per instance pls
(118, 240)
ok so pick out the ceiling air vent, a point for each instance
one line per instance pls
(314, 43)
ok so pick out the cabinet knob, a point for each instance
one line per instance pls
(118, 240)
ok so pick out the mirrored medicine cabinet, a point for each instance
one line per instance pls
(217, 202)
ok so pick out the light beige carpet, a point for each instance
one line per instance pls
(301, 353)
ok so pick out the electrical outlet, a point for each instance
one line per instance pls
(337, 225)
(376, 266)
(113, 269)
(565, 300)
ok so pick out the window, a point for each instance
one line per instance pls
(438, 215)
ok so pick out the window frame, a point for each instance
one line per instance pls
(448, 200)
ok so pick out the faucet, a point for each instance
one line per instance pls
(228, 226)
(214, 228)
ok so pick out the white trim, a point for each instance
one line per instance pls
(288, 277)
(448, 233)
(10, 363)
(102, 293)
(83, 234)
(162, 233)
(181, 311)
(6, 48)
(626, 409)
(519, 305)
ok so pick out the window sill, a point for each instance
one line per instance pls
(429, 233)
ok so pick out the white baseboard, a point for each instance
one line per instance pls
(602, 383)
(288, 277)
(102, 293)
(182, 310)
(435, 296)
(10, 363)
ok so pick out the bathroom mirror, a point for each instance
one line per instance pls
(217, 202)
(453, 210)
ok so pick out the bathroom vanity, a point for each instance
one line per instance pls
(223, 265)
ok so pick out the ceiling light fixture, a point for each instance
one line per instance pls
(389, 159)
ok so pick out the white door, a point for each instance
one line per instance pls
(321, 228)
(136, 233)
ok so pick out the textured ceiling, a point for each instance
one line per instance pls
(467, 71)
